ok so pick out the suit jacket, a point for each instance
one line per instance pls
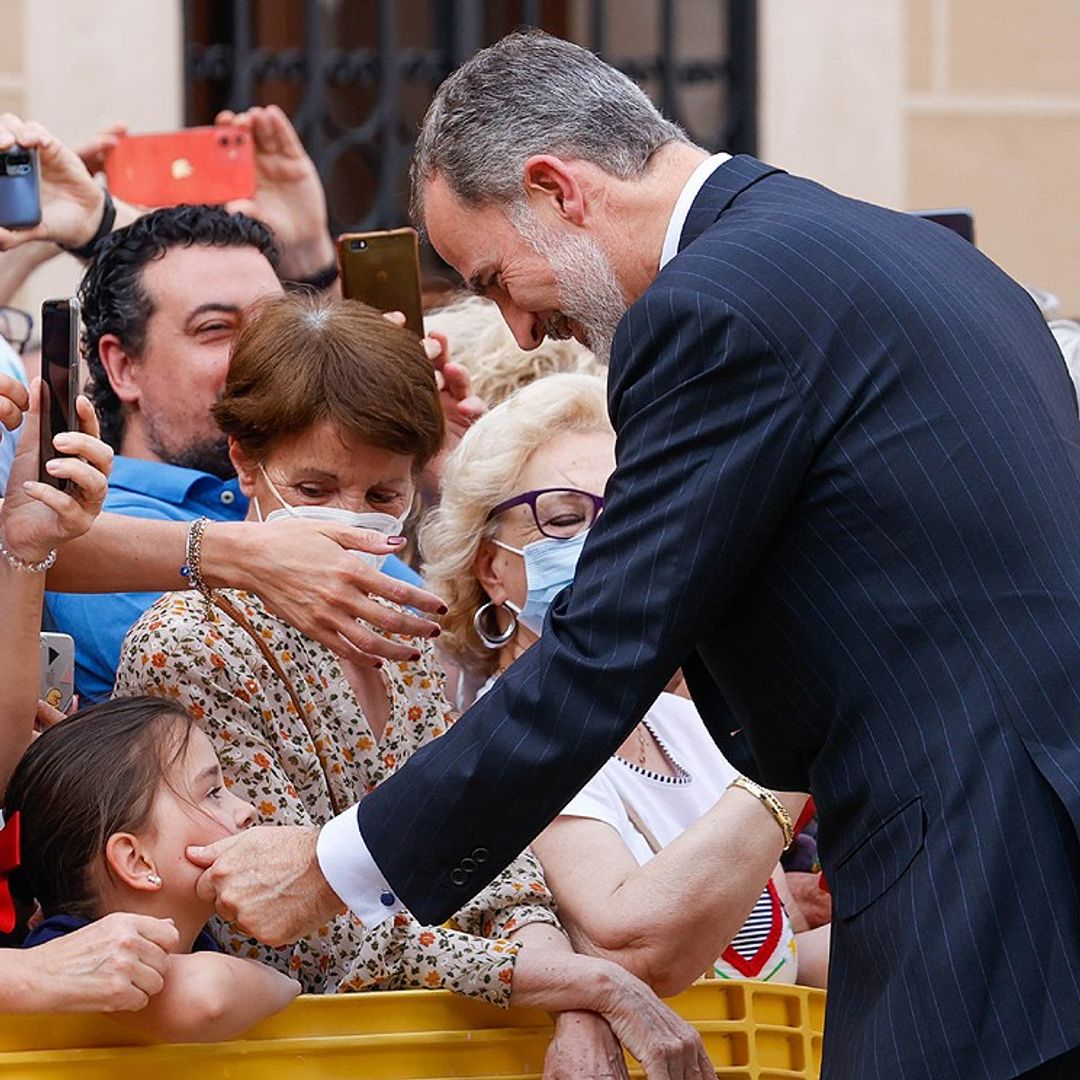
(847, 504)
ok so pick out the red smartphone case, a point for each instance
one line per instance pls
(198, 165)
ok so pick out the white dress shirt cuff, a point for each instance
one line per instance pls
(352, 872)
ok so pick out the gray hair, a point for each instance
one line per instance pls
(532, 93)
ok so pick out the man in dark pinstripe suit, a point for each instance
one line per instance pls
(847, 504)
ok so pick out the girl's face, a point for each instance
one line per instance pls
(148, 872)
(193, 808)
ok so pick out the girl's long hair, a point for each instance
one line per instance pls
(94, 774)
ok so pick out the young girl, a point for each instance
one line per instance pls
(107, 802)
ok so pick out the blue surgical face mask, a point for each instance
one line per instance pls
(549, 568)
(386, 524)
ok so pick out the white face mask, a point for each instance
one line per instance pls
(386, 524)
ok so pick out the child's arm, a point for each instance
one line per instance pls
(209, 996)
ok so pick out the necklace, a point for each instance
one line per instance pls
(641, 744)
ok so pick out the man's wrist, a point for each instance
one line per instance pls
(305, 260)
(101, 216)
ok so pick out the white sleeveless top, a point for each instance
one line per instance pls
(765, 947)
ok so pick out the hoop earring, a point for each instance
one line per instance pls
(493, 641)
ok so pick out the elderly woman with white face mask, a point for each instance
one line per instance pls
(667, 860)
(332, 411)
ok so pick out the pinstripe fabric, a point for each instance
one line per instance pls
(847, 502)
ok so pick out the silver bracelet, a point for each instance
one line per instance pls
(192, 568)
(16, 563)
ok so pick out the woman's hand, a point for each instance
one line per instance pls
(664, 1043)
(14, 401)
(37, 518)
(306, 574)
(114, 964)
(584, 1048)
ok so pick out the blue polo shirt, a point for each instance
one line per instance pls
(10, 364)
(148, 489)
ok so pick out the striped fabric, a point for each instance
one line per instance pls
(847, 504)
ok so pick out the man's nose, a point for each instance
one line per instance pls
(524, 325)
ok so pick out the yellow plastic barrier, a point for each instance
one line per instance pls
(753, 1031)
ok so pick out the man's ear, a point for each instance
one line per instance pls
(246, 469)
(552, 186)
(120, 368)
(130, 862)
(485, 567)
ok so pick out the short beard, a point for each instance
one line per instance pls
(589, 292)
(208, 456)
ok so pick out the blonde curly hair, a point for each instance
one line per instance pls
(482, 343)
(482, 472)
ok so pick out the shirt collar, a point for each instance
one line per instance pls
(682, 205)
(170, 483)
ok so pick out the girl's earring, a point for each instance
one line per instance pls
(154, 880)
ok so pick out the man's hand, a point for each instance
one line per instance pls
(93, 153)
(115, 964)
(267, 881)
(289, 195)
(584, 1048)
(71, 203)
(306, 574)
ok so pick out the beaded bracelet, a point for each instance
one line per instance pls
(772, 804)
(192, 568)
(16, 563)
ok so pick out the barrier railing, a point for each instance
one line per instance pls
(752, 1031)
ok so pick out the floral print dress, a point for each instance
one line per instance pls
(299, 750)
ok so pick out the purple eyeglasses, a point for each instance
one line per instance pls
(560, 513)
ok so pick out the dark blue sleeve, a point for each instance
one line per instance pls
(711, 446)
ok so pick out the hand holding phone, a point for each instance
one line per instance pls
(197, 165)
(20, 188)
(59, 379)
(383, 270)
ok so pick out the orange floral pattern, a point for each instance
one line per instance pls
(297, 770)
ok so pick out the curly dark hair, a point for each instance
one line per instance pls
(114, 301)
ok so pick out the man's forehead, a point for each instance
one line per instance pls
(464, 236)
(200, 274)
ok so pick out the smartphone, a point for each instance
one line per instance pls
(383, 269)
(59, 378)
(57, 670)
(197, 165)
(20, 192)
(959, 221)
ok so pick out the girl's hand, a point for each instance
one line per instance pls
(36, 518)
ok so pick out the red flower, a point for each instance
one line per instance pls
(158, 659)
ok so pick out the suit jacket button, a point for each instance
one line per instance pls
(468, 865)
(480, 854)
(458, 876)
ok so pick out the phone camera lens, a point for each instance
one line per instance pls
(223, 140)
(357, 245)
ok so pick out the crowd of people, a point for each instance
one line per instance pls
(297, 542)
(302, 438)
